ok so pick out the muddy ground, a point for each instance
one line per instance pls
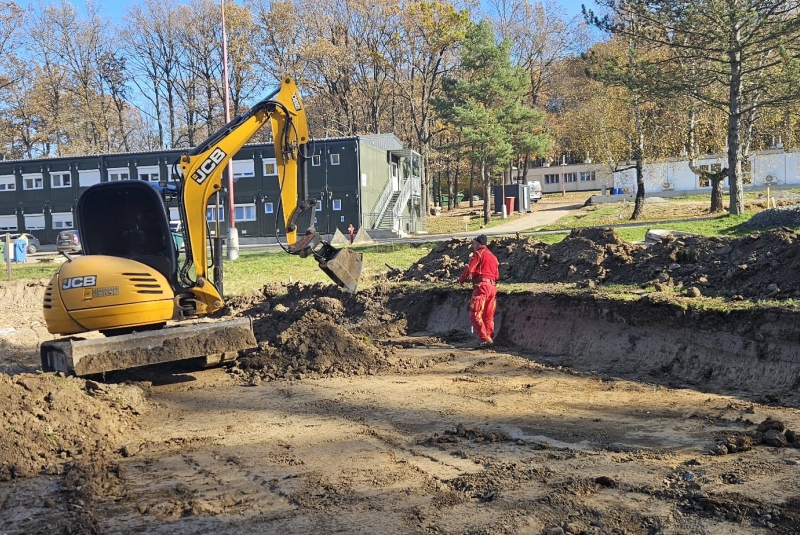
(633, 389)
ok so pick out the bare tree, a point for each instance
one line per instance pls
(541, 35)
(76, 46)
(152, 44)
(431, 33)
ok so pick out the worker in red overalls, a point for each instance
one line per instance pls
(483, 272)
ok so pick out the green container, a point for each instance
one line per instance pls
(446, 199)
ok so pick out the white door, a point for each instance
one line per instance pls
(395, 177)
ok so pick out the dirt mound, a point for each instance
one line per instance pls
(759, 265)
(318, 330)
(315, 344)
(52, 422)
(22, 293)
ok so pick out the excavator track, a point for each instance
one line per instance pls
(217, 341)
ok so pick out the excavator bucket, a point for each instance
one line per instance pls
(343, 266)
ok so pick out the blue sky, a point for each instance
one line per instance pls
(115, 9)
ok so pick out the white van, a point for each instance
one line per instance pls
(536, 190)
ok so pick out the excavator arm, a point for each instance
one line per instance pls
(202, 168)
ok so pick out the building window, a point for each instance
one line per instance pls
(244, 212)
(61, 180)
(32, 182)
(88, 177)
(335, 159)
(115, 175)
(318, 207)
(270, 166)
(210, 214)
(8, 183)
(316, 160)
(551, 179)
(268, 208)
(570, 177)
(148, 173)
(62, 220)
(337, 204)
(34, 221)
(243, 169)
(8, 222)
(587, 176)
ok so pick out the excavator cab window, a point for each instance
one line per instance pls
(127, 219)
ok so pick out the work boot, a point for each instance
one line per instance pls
(486, 343)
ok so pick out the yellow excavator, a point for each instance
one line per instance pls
(131, 298)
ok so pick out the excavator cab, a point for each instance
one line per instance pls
(128, 219)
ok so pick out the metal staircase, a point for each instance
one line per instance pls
(386, 220)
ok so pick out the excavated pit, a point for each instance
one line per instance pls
(655, 338)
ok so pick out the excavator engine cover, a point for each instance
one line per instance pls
(343, 266)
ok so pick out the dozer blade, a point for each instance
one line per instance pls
(217, 341)
(343, 266)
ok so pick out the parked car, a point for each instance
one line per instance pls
(69, 241)
(536, 190)
(33, 241)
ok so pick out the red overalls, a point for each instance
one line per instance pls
(484, 273)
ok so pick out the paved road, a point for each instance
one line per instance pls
(541, 216)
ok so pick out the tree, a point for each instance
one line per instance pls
(74, 47)
(541, 35)
(152, 42)
(483, 102)
(11, 17)
(714, 176)
(626, 68)
(750, 47)
(425, 51)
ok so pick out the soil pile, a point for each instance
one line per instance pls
(759, 265)
(318, 330)
(22, 294)
(52, 422)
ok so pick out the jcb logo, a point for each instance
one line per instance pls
(296, 102)
(208, 166)
(79, 282)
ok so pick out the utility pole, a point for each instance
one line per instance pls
(233, 234)
(564, 175)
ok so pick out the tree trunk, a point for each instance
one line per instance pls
(487, 213)
(451, 189)
(471, 184)
(455, 182)
(638, 206)
(424, 181)
(734, 140)
(716, 191)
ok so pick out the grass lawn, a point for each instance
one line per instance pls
(253, 269)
